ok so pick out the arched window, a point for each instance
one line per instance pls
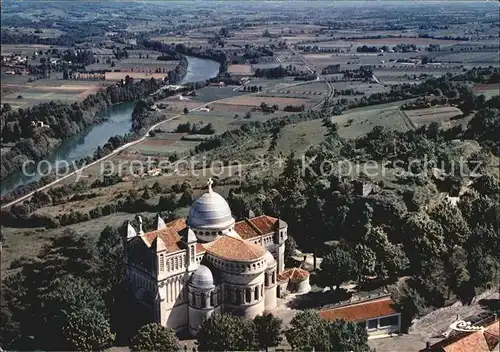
(273, 276)
(267, 279)
(256, 296)
(162, 262)
(203, 300)
(193, 299)
(248, 295)
(212, 299)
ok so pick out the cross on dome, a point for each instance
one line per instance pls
(210, 182)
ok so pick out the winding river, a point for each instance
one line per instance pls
(118, 122)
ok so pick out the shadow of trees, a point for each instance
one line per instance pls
(315, 299)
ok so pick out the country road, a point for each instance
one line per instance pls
(319, 77)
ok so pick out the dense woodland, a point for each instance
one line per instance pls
(448, 252)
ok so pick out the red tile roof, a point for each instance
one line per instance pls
(265, 224)
(177, 224)
(248, 228)
(481, 341)
(232, 248)
(245, 230)
(168, 235)
(293, 274)
(361, 311)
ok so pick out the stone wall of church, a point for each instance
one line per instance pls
(270, 282)
(280, 257)
(173, 293)
(203, 302)
(176, 318)
(243, 295)
(270, 298)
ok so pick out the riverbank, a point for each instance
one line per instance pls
(116, 151)
(198, 69)
(56, 122)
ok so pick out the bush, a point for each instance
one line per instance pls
(155, 337)
(87, 330)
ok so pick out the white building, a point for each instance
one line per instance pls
(190, 268)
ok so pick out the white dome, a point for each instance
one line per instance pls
(211, 212)
(271, 262)
(202, 277)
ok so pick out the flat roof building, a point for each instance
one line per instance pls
(378, 314)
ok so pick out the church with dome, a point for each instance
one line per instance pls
(189, 268)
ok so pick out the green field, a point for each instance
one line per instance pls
(208, 94)
(357, 122)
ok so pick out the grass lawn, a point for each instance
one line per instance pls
(357, 122)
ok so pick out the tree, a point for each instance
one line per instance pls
(226, 333)
(111, 275)
(267, 331)
(155, 337)
(43, 294)
(290, 248)
(346, 336)
(423, 240)
(432, 279)
(366, 260)
(455, 228)
(337, 267)
(408, 302)
(187, 198)
(87, 330)
(483, 268)
(167, 202)
(478, 209)
(487, 185)
(457, 274)
(9, 328)
(223, 32)
(307, 331)
(111, 254)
